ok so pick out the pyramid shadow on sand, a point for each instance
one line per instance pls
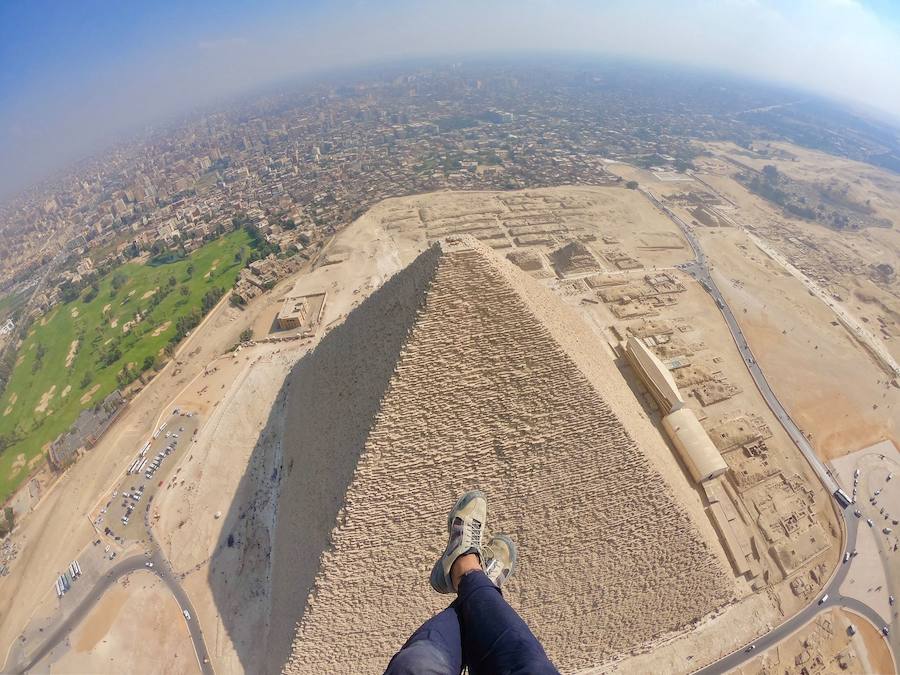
(332, 398)
(452, 364)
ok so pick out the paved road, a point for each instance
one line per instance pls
(138, 562)
(784, 630)
(163, 569)
(699, 270)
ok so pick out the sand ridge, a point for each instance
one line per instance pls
(479, 385)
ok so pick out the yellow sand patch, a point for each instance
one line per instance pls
(106, 307)
(160, 328)
(114, 323)
(65, 392)
(89, 394)
(34, 461)
(149, 293)
(45, 400)
(130, 294)
(71, 355)
(20, 359)
(43, 321)
(12, 402)
(74, 312)
(100, 619)
(17, 465)
(107, 342)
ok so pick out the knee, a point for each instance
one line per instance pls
(420, 658)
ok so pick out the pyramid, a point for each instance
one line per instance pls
(574, 259)
(461, 372)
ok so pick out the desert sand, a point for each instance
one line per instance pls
(136, 627)
(226, 559)
(824, 646)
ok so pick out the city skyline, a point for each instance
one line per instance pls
(74, 79)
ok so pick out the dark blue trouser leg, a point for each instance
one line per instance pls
(495, 639)
(434, 649)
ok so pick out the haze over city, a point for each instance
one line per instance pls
(322, 323)
(73, 77)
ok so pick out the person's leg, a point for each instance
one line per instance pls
(495, 639)
(434, 649)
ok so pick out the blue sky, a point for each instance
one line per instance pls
(75, 74)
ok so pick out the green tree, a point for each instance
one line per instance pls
(172, 281)
(69, 292)
(39, 352)
(246, 335)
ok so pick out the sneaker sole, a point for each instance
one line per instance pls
(461, 502)
(436, 579)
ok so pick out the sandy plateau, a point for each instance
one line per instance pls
(227, 558)
(311, 441)
(136, 627)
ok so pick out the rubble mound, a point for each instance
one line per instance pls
(526, 259)
(450, 377)
(574, 259)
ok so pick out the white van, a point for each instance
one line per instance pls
(823, 599)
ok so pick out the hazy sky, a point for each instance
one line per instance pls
(74, 74)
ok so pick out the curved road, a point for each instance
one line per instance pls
(784, 630)
(699, 270)
(134, 563)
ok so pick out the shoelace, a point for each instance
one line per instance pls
(475, 532)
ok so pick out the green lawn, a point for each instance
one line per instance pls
(98, 326)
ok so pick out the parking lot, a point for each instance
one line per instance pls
(121, 516)
(872, 478)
